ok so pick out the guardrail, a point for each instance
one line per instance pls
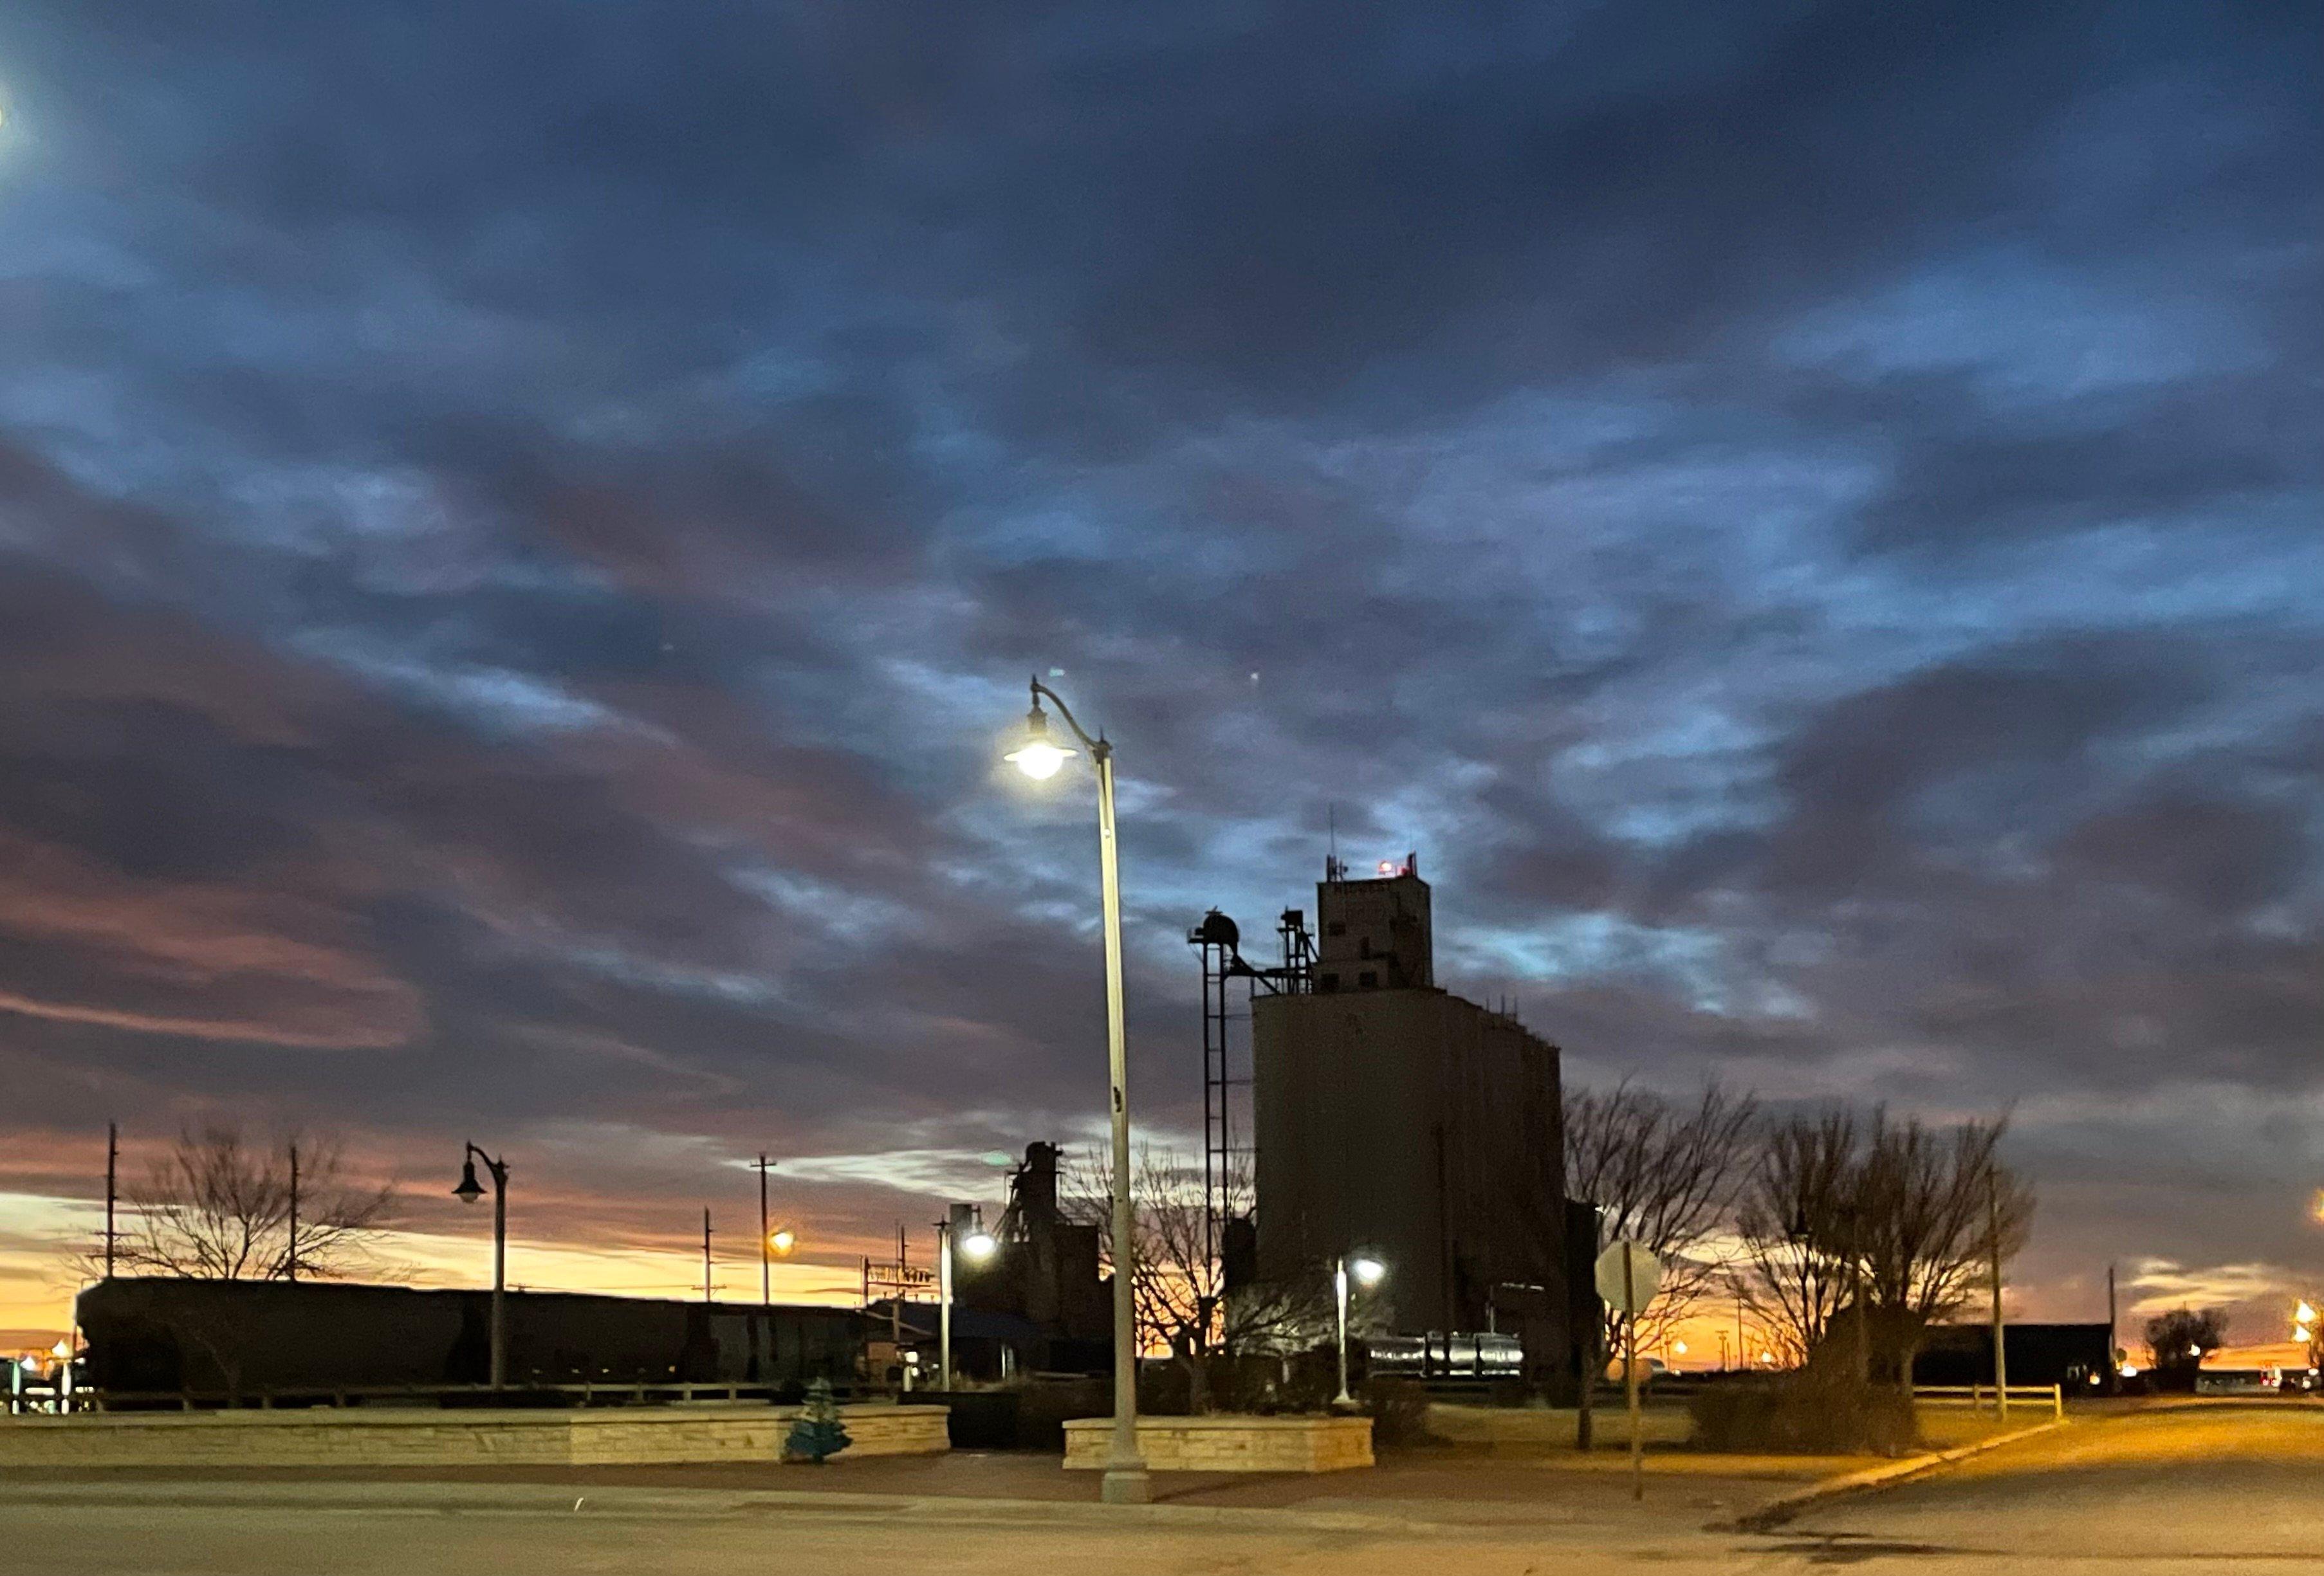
(1982, 1395)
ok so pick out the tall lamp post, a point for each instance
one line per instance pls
(976, 1248)
(1367, 1273)
(468, 1192)
(1038, 758)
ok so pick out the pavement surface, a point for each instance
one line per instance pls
(2203, 1488)
(2200, 1486)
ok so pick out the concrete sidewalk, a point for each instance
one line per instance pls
(1427, 1489)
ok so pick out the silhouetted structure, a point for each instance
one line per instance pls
(1396, 1119)
(1040, 1295)
(2039, 1354)
(248, 1336)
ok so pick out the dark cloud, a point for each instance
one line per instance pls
(521, 529)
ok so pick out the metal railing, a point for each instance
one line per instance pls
(1979, 1397)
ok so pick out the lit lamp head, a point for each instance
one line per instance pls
(979, 1246)
(468, 1192)
(782, 1240)
(1039, 756)
(1367, 1272)
(2304, 1314)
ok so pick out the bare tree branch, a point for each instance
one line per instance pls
(1665, 1177)
(1178, 1288)
(214, 1208)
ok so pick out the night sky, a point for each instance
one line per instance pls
(523, 527)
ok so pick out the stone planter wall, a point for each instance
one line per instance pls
(430, 1437)
(1229, 1443)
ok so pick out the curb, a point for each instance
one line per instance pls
(1776, 1512)
(421, 1498)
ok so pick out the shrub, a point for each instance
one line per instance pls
(1804, 1414)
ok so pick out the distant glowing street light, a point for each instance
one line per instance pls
(976, 1247)
(781, 1241)
(1039, 757)
(1367, 1272)
(2304, 1314)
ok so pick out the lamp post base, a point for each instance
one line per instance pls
(1126, 1485)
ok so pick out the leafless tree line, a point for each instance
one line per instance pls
(1836, 1223)
(216, 1207)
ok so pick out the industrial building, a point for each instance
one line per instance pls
(1392, 1119)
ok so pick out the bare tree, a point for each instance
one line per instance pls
(1665, 1177)
(1178, 1288)
(1879, 1225)
(1794, 1220)
(1928, 1204)
(215, 1208)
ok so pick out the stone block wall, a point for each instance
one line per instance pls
(356, 1437)
(1228, 1443)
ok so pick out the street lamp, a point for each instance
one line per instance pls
(468, 1193)
(976, 1248)
(1038, 758)
(1368, 1273)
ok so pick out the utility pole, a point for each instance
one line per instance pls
(705, 1253)
(1630, 1370)
(2114, 1375)
(2000, 1328)
(290, 1262)
(765, 1246)
(111, 1188)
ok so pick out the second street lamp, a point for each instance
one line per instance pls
(1367, 1272)
(468, 1193)
(1039, 757)
(976, 1248)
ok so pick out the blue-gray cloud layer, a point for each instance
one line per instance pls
(523, 522)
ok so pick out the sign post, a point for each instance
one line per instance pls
(1627, 1278)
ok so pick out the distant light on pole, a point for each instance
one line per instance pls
(782, 1240)
(1367, 1272)
(979, 1246)
(2304, 1314)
